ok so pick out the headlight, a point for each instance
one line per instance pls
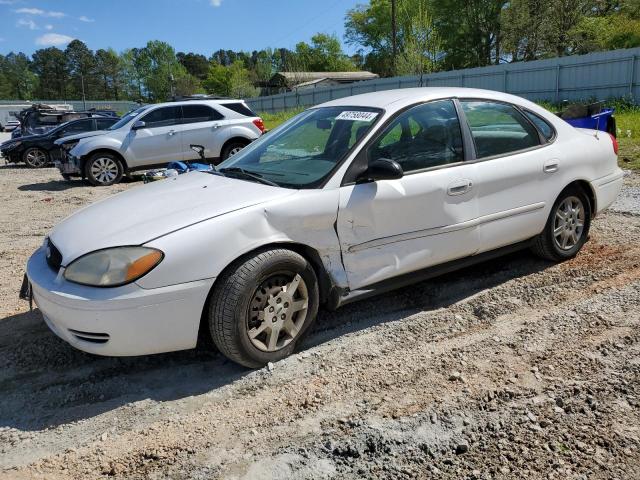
(69, 145)
(113, 267)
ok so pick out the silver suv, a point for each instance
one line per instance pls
(154, 135)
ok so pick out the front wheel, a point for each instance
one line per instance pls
(262, 307)
(35, 157)
(567, 228)
(103, 169)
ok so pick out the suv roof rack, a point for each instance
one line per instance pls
(197, 96)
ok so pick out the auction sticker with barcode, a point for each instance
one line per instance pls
(357, 116)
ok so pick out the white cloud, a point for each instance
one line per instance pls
(215, 3)
(53, 40)
(42, 13)
(84, 18)
(48, 27)
(30, 24)
(8, 2)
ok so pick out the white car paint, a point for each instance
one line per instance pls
(362, 233)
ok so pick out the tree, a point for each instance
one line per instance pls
(51, 66)
(369, 26)
(240, 82)
(163, 71)
(136, 68)
(81, 67)
(421, 44)
(218, 80)
(108, 66)
(323, 55)
(18, 81)
(194, 63)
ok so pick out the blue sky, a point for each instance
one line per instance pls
(201, 26)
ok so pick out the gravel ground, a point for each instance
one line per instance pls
(515, 368)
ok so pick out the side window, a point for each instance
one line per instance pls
(162, 117)
(240, 108)
(545, 129)
(199, 113)
(422, 137)
(498, 128)
(78, 127)
(104, 123)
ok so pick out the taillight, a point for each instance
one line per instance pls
(260, 124)
(615, 143)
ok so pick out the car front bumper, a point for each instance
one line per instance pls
(121, 321)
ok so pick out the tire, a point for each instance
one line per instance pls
(103, 169)
(569, 236)
(35, 157)
(232, 148)
(254, 287)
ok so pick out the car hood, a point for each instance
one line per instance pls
(147, 212)
(79, 136)
(24, 138)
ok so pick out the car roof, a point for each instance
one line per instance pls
(402, 97)
(198, 101)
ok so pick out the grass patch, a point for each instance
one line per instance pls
(272, 120)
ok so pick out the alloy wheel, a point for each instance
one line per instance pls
(568, 226)
(36, 158)
(234, 150)
(104, 169)
(277, 311)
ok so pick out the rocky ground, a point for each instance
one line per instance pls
(516, 368)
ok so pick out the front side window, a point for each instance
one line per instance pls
(162, 117)
(75, 127)
(104, 123)
(304, 151)
(128, 117)
(199, 113)
(498, 128)
(422, 137)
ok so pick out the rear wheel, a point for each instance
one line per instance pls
(567, 228)
(103, 169)
(35, 157)
(262, 307)
(232, 148)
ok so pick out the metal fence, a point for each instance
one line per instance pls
(600, 76)
(120, 106)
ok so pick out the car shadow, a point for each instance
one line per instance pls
(62, 385)
(52, 186)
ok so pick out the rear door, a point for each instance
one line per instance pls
(202, 125)
(512, 156)
(159, 141)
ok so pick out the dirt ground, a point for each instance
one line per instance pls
(516, 368)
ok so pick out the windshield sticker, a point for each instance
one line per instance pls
(357, 116)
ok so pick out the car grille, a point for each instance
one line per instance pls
(54, 257)
(91, 337)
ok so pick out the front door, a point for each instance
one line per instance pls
(158, 141)
(392, 227)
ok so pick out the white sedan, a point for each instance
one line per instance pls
(348, 199)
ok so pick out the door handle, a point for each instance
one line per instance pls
(460, 187)
(551, 167)
(172, 132)
(215, 125)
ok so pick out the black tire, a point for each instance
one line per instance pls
(232, 148)
(230, 308)
(35, 157)
(103, 169)
(546, 245)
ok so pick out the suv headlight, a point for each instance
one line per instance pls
(113, 267)
(69, 145)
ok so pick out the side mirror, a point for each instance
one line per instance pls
(381, 169)
(137, 125)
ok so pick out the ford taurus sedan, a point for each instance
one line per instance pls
(347, 199)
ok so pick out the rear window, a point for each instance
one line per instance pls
(199, 113)
(240, 108)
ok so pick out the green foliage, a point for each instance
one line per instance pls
(323, 55)
(232, 81)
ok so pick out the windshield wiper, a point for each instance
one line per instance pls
(247, 174)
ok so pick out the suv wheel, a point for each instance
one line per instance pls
(35, 157)
(263, 306)
(232, 148)
(103, 169)
(567, 228)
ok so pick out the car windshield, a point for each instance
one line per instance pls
(304, 151)
(127, 118)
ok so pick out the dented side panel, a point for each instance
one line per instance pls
(307, 217)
